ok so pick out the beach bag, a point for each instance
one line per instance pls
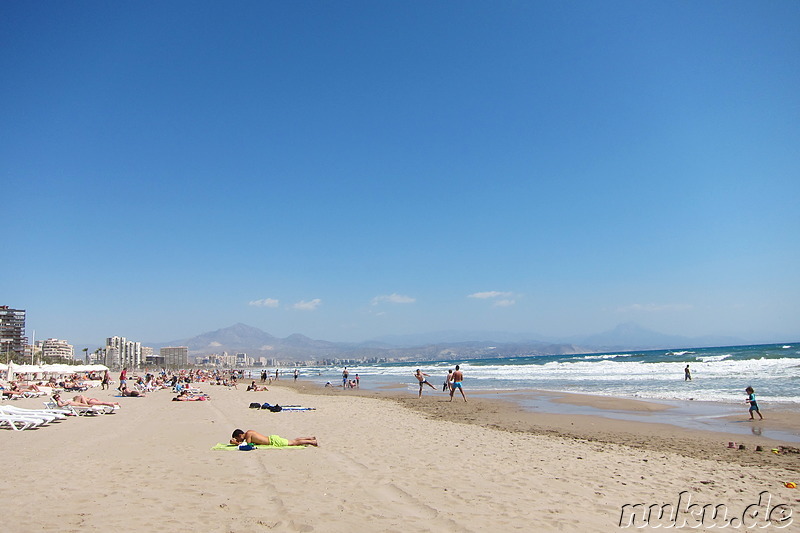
(255, 405)
(266, 406)
(276, 408)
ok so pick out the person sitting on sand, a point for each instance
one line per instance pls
(256, 388)
(253, 437)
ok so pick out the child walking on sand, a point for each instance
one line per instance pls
(751, 399)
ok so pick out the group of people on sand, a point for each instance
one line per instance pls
(452, 382)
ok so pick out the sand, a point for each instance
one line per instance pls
(388, 463)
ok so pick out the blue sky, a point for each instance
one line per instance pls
(352, 169)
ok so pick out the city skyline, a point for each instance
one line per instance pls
(352, 171)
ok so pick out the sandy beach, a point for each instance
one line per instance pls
(386, 462)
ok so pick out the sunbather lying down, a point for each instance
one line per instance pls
(253, 437)
(16, 387)
(82, 401)
(184, 396)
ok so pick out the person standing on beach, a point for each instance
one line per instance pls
(458, 377)
(296, 373)
(422, 381)
(345, 373)
(687, 374)
(106, 381)
(123, 378)
(447, 380)
(751, 399)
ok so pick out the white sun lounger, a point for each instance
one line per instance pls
(35, 420)
(16, 423)
(50, 416)
(77, 410)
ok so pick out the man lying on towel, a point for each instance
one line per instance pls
(253, 437)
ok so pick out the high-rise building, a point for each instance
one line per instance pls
(57, 348)
(122, 353)
(175, 356)
(12, 331)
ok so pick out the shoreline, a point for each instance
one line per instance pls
(510, 415)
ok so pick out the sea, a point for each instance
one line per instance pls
(717, 389)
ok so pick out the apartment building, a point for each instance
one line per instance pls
(122, 353)
(56, 348)
(175, 356)
(12, 331)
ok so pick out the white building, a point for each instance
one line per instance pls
(57, 348)
(122, 353)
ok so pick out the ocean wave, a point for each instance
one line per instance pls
(712, 358)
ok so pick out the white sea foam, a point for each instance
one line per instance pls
(717, 377)
(712, 358)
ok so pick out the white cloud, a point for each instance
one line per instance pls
(308, 306)
(393, 298)
(266, 302)
(490, 294)
(653, 308)
(506, 302)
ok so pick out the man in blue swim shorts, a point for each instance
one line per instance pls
(458, 377)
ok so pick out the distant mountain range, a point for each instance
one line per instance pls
(631, 336)
(433, 346)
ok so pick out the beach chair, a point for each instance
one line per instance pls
(16, 423)
(34, 420)
(76, 410)
(49, 416)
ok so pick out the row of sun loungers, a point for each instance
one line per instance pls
(20, 419)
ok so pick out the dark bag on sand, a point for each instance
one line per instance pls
(266, 406)
(276, 408)
(255, 405)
